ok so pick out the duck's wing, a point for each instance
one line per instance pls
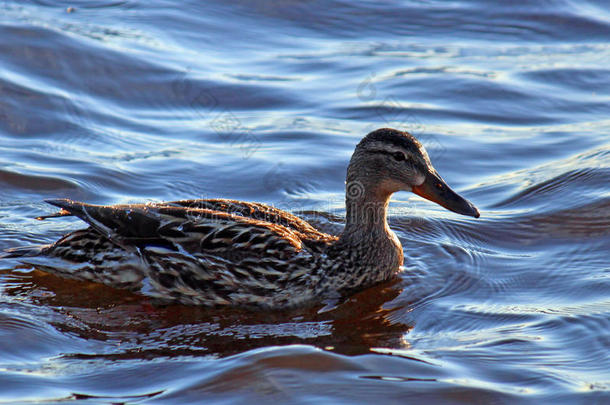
(185, 229)
(256, 211)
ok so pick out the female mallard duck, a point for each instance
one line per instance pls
(223, 252)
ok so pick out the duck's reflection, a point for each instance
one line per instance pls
(139, 328)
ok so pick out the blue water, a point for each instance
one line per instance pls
(130, 101)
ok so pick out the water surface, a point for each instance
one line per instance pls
(128, 101)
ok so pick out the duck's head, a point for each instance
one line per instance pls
(387, 160)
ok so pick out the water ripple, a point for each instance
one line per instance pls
(121, 101)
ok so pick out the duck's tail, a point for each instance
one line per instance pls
(23, 251)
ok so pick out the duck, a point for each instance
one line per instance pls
(229, 253)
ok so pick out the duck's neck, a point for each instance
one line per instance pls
(366, 229)
(367, 195)
(366, 214)
(371, 251)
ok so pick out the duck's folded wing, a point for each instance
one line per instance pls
(116, 222)
(258, 211)
(193, 230)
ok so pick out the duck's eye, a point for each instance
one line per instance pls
(398, 156)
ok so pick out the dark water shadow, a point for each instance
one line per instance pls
(141, 328)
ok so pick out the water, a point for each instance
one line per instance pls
(127, 101)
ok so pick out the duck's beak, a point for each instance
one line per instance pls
(435, 189)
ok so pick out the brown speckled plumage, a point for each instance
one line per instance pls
(218, 252)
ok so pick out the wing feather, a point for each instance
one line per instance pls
(194, 230)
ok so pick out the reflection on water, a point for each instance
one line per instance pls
(117, 102)
(133, 320)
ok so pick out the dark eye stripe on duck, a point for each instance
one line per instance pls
(395, 154)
